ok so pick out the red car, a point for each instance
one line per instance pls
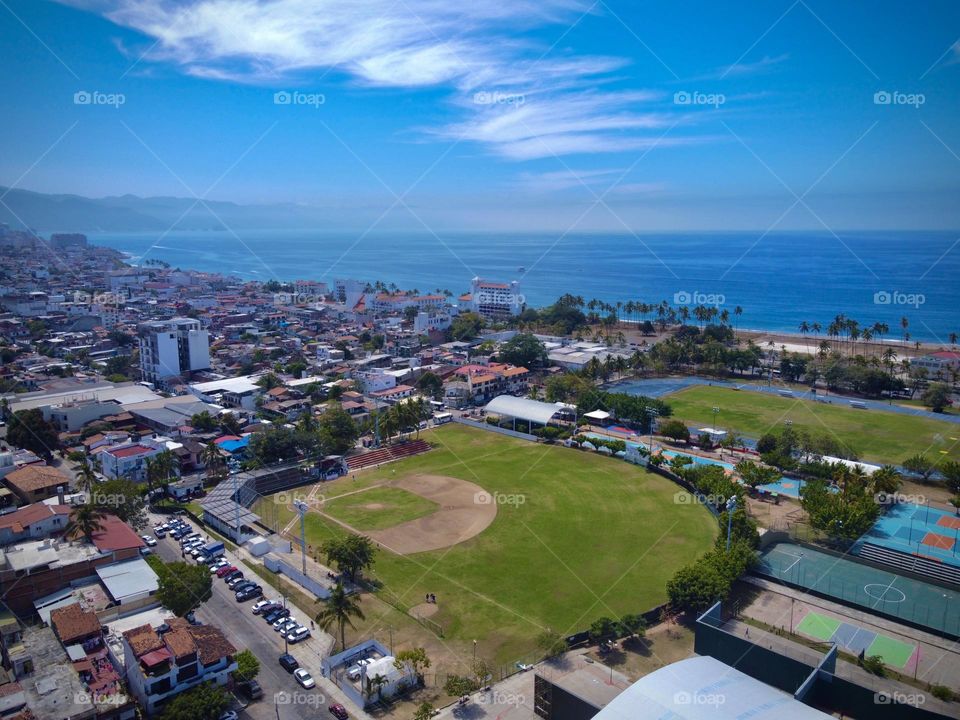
(338, 711)
(226, 570)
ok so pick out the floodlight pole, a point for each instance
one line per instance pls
(302, 508)
(731, 505)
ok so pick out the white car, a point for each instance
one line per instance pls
(304, 678)
(298, 634)
(148, 539)
(218, 564)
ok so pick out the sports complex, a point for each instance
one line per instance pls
(511, 537)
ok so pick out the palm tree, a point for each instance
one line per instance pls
(886, 480)
(87, 519)
(86, 478)
(338, 609)
(213, 461)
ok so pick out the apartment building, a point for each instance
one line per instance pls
(172, 348)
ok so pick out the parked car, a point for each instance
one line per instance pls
(338, 711)
(281, 621)
(225, 570)
(149, 540)
(241, 585)
(231, 576)
(286, 626)
(261, 605)
(251, 689)
(304, 678)
(249, 593)
(298, 634)
(288, 662)
(215, 567)
(275, 615)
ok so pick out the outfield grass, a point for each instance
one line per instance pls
(379, 507)
(876, 436)
(595, 536)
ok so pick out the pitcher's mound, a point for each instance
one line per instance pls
(423, 610)
(465, 510)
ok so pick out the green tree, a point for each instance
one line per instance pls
(458, 685)
(424, 711)
(936, 396)
(28, 430)
(551, 643)
(675, 430)
(416, 659)
(753, 474)
(950, 470)
(204, 702)
(337, 430)
(351, 554)
(431, 384)
(121, 497)
(466, 326)
(339, 609)
(87, 519)
(921, 465)
(215, 463)
(524, 349)
(182, 586)
(248, 666)
(203, 421)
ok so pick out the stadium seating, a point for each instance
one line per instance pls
(387, 454)
(930, 567)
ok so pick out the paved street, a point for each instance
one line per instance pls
(246, 630)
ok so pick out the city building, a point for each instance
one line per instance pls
(36, 482)
(495, 300)
(129, 459)
(172, 348)
(33, 522)
(161, 666)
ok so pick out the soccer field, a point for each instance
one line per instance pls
(876, 436)
(574, 536)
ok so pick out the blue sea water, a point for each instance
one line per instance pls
(780, 280)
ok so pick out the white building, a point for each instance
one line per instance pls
(495, 300)
(429, 321)
(375, 380)
(170, 348)
(160, 667)
(130, 459)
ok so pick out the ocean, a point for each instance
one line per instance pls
(779, 280)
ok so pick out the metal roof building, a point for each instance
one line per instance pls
(701, 688)
(128, 581)
(526, 409)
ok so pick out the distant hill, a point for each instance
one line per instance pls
(130, 213)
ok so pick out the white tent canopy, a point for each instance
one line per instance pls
(524, 409)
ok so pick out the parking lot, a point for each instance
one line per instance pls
(246, 630)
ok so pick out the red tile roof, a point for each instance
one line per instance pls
(115, 534)
(131, 451)
(73, 623)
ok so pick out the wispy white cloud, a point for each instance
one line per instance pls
(566, 102)
(765, 64)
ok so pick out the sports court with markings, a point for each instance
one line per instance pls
(855, 639)
(917, 530)
(878, 591)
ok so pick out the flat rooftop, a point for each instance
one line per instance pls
(24, 556)
(591, 681)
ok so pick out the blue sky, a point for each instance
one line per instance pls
(502, 115)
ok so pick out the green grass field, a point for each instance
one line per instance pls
(876, 436)
(595, 536)
(378, 508)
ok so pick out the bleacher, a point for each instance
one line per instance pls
(387, 454)
(917, 564)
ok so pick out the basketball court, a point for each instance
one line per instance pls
(855, 639)
(917, 530)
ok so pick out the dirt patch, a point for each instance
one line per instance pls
(373, 506)
(459, 518)
(423, 610)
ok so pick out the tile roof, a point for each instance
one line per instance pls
(131, 451)
(115, 534)
(32, 478)
(30, 514)
(180, 642)
(211, 642)
(73, 623)
(143, 639)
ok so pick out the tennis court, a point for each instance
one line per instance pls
(855, 639)
(917, 530)
(857, 585)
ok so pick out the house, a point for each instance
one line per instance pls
(32, 522)
(130, 459)
(117, 538)
(36, 482)
(938, 364)
(161, 666)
